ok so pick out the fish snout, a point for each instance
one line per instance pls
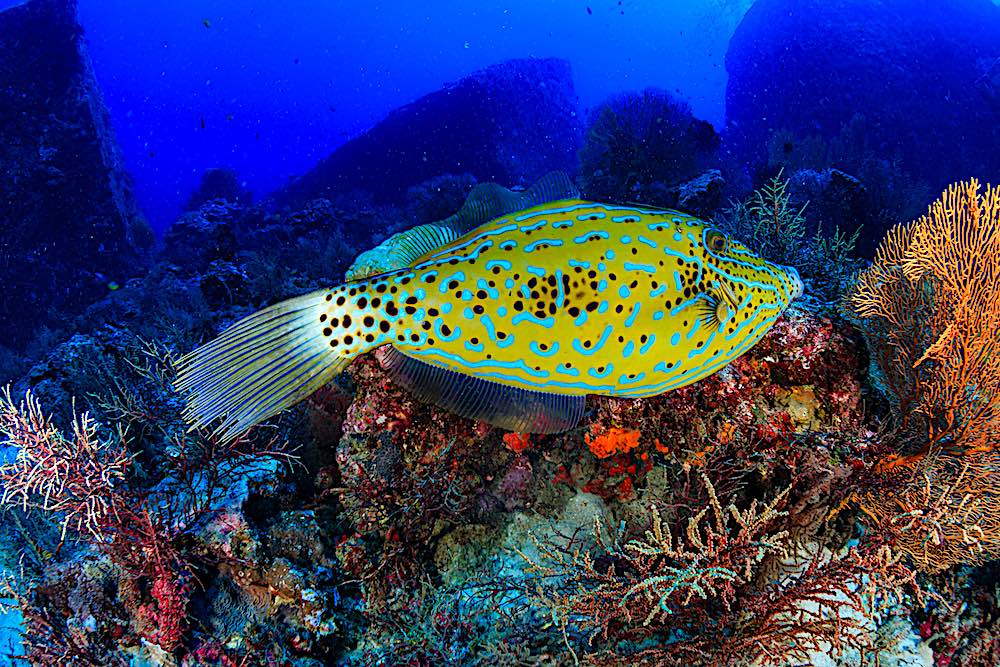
(795, 286)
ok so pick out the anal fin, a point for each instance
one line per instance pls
(511, 408)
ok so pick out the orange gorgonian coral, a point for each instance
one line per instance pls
(930, 304)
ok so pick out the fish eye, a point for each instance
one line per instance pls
(716, 241)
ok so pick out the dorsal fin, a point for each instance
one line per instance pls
(485, 202)
(400, 250)
(489, 201)
(512, 408)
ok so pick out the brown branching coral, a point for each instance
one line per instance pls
(941, 508)
(701, 591)
(930, 304)
(664, 572)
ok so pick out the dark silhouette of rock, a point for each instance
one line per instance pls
(200, 237)
(69, 227)
(925, 74)
(509, 123)
(219, 183)
(833, 199)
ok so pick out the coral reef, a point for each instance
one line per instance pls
(828, 498)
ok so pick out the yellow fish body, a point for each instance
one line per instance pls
(513, 322)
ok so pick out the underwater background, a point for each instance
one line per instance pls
(830, 497)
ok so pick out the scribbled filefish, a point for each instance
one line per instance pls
(511, 312)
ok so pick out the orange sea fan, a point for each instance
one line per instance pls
(930, 304)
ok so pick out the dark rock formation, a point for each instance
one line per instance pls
(509, 123)
(69, 226)
(925, 74)
(833, 199)
(700, 196)
(198, 238)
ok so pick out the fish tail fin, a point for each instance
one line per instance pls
(265, 363)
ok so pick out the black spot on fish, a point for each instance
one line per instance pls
(383, 326)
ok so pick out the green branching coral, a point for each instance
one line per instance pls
(770, 224)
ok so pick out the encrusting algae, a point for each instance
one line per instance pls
(511, 312)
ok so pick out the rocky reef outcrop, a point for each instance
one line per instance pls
(508, 123)
(924, 74)
(69, 227)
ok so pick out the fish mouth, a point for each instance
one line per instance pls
(795, 286)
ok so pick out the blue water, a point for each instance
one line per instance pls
(277, 86)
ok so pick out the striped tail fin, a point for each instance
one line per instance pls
(261, 365)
